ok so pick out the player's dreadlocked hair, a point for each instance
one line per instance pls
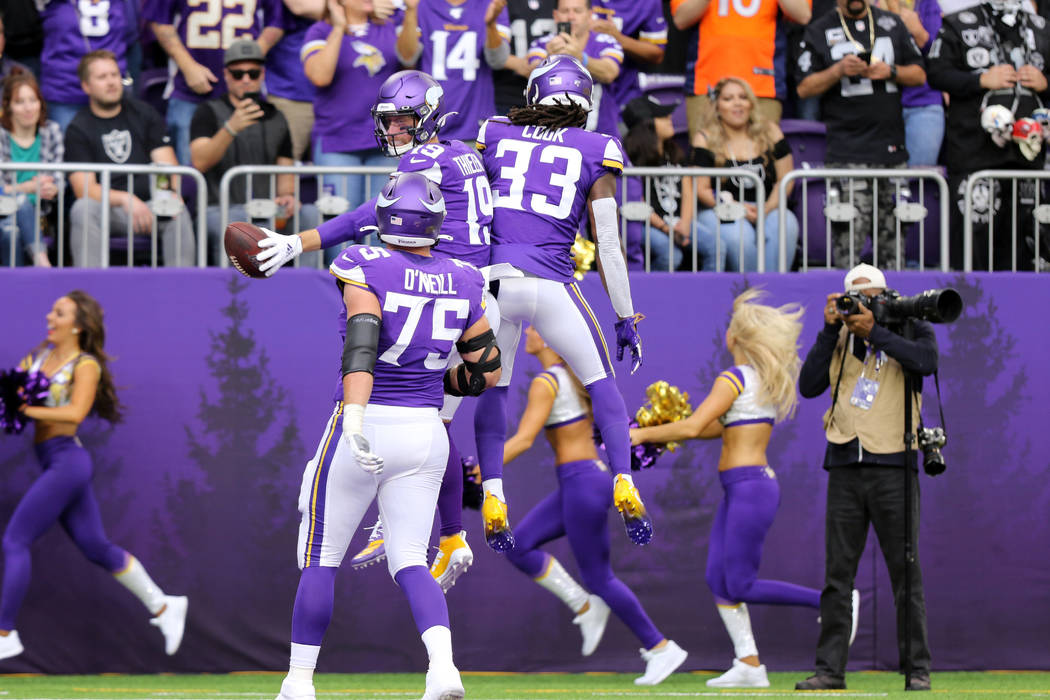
(554, 116)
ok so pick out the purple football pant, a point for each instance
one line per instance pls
(735, 551)
(61, 493)
(580, 510)
(450, 497)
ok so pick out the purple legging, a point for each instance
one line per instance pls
(735, 551)
(450, 497)
(580, 510)
(62, 492)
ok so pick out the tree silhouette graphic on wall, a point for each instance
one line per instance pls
(246, 441)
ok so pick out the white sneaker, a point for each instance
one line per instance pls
(292, 689)
(741, 675)
(592, 623)
(172, 621)
(661, 663)
(855, 600)
(443, 683)
(10, 645)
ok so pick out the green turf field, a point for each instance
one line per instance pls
(490, 686)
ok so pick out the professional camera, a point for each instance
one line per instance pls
(890, 308)
(931, 440)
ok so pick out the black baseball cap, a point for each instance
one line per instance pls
(243, 50)
(641, 108)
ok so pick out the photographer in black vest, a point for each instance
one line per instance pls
(242, 128)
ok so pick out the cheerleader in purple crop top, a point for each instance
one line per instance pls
(74, 360)
(741, 408)
(578, 511)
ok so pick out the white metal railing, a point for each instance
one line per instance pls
(909, 213)
(105, 173)
(716, 174)
(1040, 213)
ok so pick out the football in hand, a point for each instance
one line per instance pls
(242, 247)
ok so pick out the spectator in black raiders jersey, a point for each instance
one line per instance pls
(115, 128)
(529, 20)
(995, 50)
(856, 58)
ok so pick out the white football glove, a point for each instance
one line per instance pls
(277, 249)
(363, 455)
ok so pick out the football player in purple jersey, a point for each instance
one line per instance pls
(195, 34)
(599, 53)
(578, 511)
(406, 310)
(547, 174)
(460, 43)
(408, 115)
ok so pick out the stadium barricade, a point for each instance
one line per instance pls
(635, 213)
(907, 213)
(328, 203)
(978, 195)
(159, 206)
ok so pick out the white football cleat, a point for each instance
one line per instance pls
(741, 675)
(292, 689)
(443, 683)
(172, 622)
(10, 645)
(855, 600)
(661, 663)
(592, 623)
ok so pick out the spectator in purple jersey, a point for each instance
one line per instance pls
(459, 43)
(346, 55)
(406, 311)
(640, 29)
(578, 510)
(529, 20)
(196, 44)
(921, 105)
(408, 115)
(287, 86)
(116, 128)
(548, 175)
(741, 408)
(27, 136)
(72, 29)
(243, 128)
(599, 54)
(73, 357)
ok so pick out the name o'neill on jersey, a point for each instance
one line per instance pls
(427, 303)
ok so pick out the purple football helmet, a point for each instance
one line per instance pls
(559, 79)
(410, 211)
(408, 93)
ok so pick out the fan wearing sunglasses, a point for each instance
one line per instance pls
(243, 128)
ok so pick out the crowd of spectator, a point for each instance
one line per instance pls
(265, 83)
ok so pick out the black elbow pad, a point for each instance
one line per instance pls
(362, 339)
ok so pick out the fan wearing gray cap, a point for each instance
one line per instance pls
(242, 128)
(650, 143)
(864, 365)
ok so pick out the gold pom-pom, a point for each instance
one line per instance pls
(665, 404)
(582, 255)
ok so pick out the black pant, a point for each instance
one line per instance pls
(860, 495)
(995, 208)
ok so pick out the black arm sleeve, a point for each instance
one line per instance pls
(918, 355)
(362, 340)
(814, 377)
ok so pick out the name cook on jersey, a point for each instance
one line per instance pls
(544, 133)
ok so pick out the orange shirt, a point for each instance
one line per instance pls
(737, 38)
